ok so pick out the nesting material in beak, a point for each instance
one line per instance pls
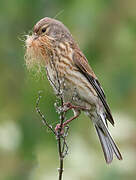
(37, 50)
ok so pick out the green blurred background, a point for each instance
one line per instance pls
(106, 33)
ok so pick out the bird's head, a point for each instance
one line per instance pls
(47, 33)
(52, 28)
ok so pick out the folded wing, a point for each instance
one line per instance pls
(83, 66)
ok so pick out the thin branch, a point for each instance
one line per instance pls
(65, 146)
(62, 117)
(61, 138)
(41, 114)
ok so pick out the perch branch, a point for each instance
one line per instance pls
(61, 138)
(41, 114)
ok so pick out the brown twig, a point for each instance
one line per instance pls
(61, 157)
(61, 138)
(41, 114)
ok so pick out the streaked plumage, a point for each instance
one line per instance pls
(53, 46)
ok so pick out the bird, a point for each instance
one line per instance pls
(52, 46)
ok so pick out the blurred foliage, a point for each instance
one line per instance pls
(106, 32)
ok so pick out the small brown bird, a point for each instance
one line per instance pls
(68, 71)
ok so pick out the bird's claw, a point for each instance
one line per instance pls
(59, 128)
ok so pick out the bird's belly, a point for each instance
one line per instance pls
(78, 93)
(53, 78)
(74, 87)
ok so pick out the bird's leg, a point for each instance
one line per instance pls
(67, 106)
(76, 114)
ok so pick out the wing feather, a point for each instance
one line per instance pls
(82, 64)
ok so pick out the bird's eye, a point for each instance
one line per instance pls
(43, 29)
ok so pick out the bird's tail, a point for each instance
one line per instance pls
(108, 145)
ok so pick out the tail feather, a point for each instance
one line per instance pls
(108, 145)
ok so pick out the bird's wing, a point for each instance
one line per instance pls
(82, 64)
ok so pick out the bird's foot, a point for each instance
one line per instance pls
(59, 128)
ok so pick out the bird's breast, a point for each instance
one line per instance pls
(65, 77)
